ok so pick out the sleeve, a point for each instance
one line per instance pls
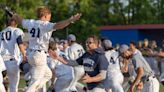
(71, 54)
(138, 62)
(72, 63)
(19, 32)
(26, 23)
(80, 60)
(48, 26)
(19, 35)
(19, 40)
(102, 62)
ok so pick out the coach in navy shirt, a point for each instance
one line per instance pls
(95, 65)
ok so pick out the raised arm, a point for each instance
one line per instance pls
(64, 23)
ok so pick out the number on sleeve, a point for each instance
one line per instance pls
(35, 32)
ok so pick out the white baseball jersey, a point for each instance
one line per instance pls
(39, 33)
(114, 66)
(75, 51)
(9, 44)
(114, 77)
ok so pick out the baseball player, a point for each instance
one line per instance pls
(75, 51)
(12, 45)
(144, 74)
(39, 34)
(2, 68)
(62, 72)
(95, 65)
(114, 78)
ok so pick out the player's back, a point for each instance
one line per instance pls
(39, 33)
(75, 51)
(9, 42)
(113, 59)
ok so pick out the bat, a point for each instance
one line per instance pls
(7, 10)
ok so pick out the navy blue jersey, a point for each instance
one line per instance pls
(93, 64)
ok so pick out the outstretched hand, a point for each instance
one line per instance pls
(65, 23)
(75, 17)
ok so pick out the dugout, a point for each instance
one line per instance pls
(126, 33)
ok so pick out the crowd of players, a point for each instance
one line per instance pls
(68, 67)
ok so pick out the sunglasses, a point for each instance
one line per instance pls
(89, 42)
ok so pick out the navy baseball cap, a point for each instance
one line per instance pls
(71, 37)
(123, 48)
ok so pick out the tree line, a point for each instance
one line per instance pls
(95, 13)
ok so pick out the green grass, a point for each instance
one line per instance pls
(161, 88)
(21, 85)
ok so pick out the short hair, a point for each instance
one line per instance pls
(133, 43)
(43, 10)
(52, 46)
(95, 38)
(11, 20)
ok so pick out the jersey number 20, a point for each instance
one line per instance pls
(6, 35)
(35, 32)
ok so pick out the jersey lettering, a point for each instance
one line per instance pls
(35, 32)
(80, 52)
(6, 35)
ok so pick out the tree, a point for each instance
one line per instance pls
(25, 8)
(142, 12)
(95, 13)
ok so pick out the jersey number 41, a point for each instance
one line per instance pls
(35, 32)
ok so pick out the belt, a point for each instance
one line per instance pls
(12, 59)
(9, 59)
(38, 50)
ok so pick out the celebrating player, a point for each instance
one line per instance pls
(142, 69)
(95, 65)
(11, 44)
(114, 78)
(39, 34)
(75, 51)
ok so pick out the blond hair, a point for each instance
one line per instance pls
(42, 11)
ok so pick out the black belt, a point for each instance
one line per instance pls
(12, 59)
(39, 51)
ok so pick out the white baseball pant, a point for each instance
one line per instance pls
(97, 89)
(64, 78)
(13, 73)
(40, 72)
(152, 85)
(114, 83)
(62, 84)
(77, 75)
